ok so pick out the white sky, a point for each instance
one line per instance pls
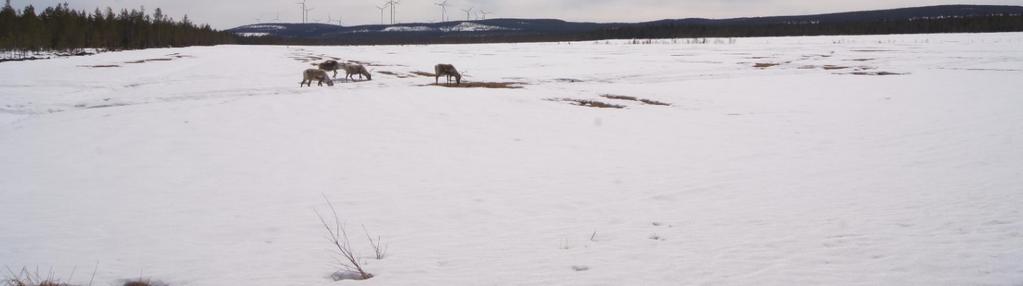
(225, 14)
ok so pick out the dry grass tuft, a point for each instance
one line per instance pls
(765, 65)
(27, 278)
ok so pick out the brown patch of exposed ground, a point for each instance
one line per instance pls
(633, 98)
(878, 73)
(588, 103)
(390, 73)
(833, 67)
(765, 65)
(101, 66)
(509, 85)
(150, 60)
(422, 73)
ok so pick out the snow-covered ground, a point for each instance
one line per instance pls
(873, 160)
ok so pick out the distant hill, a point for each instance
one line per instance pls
(932, 19)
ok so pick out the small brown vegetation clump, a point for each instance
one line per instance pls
(508, 85)
(101, 66)
(633, 98)
(880, 73)
(589, 103)
(833, 67)
(150, 60)
(568, 80)
(143, 282)
(27, 278)
(765, 65)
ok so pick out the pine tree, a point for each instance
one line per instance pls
(8, 21)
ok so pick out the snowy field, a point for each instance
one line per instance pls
(874, 160)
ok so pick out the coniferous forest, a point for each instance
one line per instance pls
(68, 31)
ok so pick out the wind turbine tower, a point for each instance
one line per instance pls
(443, 10)
(305, 11)
(382, 8)
(468, 13)
(483, 14)
(394, 9)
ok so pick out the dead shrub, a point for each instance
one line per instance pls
(337, 235)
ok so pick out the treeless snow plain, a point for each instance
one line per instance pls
(867, 160)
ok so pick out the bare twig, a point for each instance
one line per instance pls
(94, 270)
(338, 236)
(379, 249)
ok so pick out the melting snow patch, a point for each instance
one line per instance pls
(252, 35)
(266, 27)
(472, 27)
(408, 29)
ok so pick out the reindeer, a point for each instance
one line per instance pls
(330, 65)
(315, 74)
(356, 69)
(446, 70)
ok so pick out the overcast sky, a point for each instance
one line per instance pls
(225, 14)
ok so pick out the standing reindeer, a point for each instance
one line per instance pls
(356, 69)
(330, 65)
(447, 70)
(315, 74)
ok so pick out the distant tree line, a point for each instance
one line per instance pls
(66, 30)
(973, 24)
(979, 24)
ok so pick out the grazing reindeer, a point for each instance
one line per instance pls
(356, 69)
(330, 65)
(315, 74)
(447, 70)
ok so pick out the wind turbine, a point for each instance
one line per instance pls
(468, 14)
(394, 10)
(304, 11)
(382, 8)
(483, 14)
(443, 10)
